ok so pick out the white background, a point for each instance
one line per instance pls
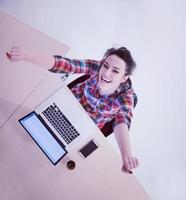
(155, 32)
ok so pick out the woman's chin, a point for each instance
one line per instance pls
(103, 90)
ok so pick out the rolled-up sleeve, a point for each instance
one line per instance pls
(73, 66)
(126, 107)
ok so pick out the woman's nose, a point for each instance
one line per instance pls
(107, 73)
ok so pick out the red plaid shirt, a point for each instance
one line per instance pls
(101, 108)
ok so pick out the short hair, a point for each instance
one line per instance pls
(125, 55)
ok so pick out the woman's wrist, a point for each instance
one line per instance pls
(126, 157)
(27, 57)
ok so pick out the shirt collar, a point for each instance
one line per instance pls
(123, 88)
(93, 88)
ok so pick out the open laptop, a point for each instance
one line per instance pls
(59, 124)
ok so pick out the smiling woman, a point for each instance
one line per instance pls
(111, 74)
(107, 95)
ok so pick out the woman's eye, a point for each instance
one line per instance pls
(115, 71)
(106, 66)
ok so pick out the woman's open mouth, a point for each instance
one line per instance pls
(105, 80)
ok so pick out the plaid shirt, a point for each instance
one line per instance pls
(101, 108)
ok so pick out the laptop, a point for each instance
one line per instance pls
(59, 124)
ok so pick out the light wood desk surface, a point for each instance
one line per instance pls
(25, 172)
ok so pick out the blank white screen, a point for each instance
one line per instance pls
(43, 137)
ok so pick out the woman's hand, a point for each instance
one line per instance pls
(18, 54)
(129, 163)
(122, 137)
(15, 54)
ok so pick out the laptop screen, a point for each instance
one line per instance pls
(42, 135)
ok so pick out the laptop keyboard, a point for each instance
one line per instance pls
(60, 123)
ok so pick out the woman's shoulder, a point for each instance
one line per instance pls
(127, 93)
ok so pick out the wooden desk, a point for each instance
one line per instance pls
(13, 88)
(25, 172)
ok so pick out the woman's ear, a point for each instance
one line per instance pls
(125, 78)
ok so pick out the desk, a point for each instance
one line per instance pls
(13, 88)
(25, 172)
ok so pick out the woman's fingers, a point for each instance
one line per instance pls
(124, 169)
(131, 163)
(135, 162)
(8, 55)
(15, 54)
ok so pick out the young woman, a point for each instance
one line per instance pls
(107, 95)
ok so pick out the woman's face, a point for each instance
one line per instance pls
(111, 74)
